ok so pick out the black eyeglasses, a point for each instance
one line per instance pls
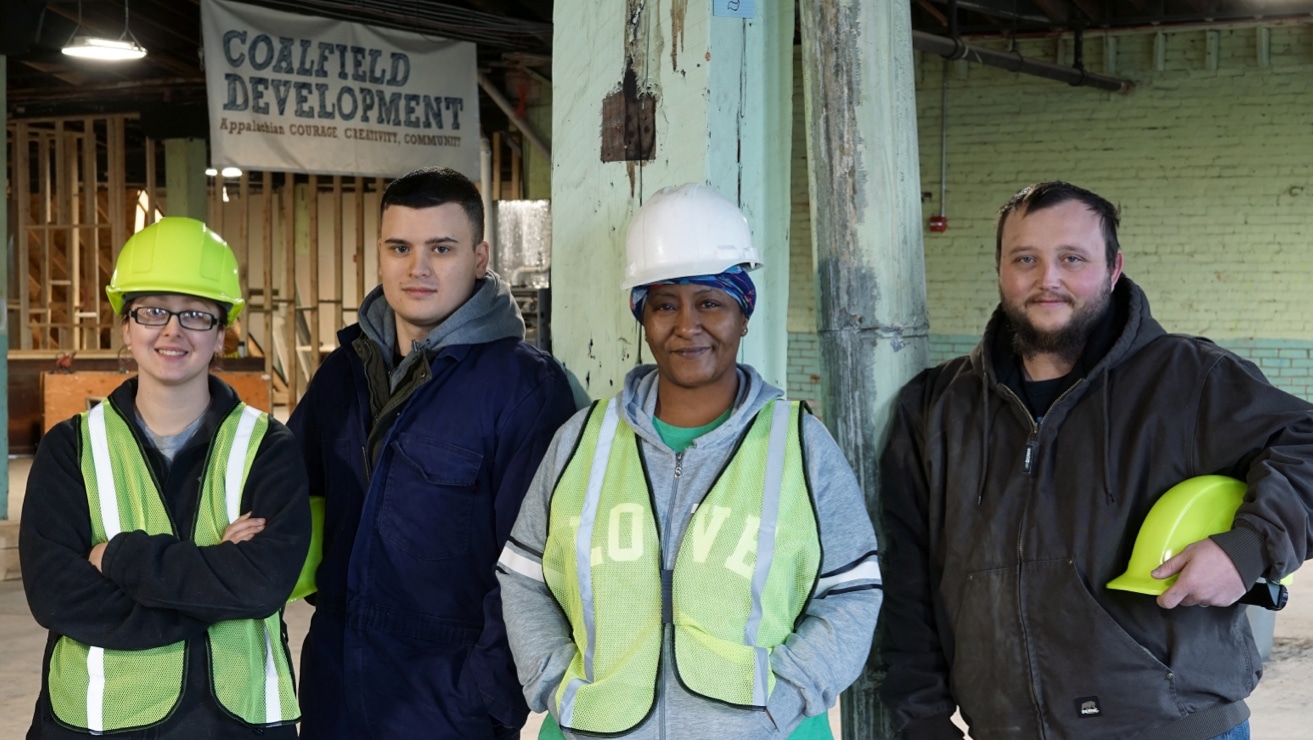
(155, 316)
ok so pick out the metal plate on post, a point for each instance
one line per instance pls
(629, 122)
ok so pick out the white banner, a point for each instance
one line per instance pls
(305, 94)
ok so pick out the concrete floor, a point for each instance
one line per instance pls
(1281, 706)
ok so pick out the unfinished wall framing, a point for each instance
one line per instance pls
(80, 187)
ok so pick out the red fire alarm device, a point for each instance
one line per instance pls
(938, 224)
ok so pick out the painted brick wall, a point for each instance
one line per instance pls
(805, 369)
(802, 255)
(1211, 167)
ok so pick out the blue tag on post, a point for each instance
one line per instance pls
(734, 8)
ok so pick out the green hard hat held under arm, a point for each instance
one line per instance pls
(1188, 512)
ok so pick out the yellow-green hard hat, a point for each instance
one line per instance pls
(305, 583)
(1187, 513)
(177, 255)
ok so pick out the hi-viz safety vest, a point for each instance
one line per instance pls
(744, 570)
(102, 690)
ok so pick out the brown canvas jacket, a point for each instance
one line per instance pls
(1000, 534)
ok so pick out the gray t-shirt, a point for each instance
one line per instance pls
(169, 444)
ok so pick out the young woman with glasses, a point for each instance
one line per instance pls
(163, 530)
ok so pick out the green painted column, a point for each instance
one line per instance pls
(184, 175)
(864, 182)
(719, 92)
(4, 299)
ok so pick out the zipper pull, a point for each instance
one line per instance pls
(1028, 464)
(679, 464)
(364, 454)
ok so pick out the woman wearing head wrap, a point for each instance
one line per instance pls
(694, 558)
(163, 530)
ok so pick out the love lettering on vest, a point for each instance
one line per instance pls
(624, 541)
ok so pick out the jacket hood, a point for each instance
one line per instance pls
(491, 313)
(639, 397)
(1130, 328)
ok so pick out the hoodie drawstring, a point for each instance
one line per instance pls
(1105, 406)
(984, 440)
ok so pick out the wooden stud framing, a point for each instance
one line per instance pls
(116, 134)
(312, 247)
(267, 246)
(150, 188)
(244, 240)
(360, 241)
(82, 260)
(288, 299)
(75, 208)
(337, 252)
(22, 185)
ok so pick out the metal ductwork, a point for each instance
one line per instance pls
(950, 48)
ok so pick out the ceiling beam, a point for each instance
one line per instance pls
(1005, 10)
(1090, 9)
(1057, 10)
(130, 90)
(933, 12)
(60, 72)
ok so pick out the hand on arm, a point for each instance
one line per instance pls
(96, 555)
(248, 580)
(243, 528)
(1207, 577)
(65, 591)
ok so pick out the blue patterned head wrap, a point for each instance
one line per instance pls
(734, 281)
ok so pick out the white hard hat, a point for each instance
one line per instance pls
(686, 231)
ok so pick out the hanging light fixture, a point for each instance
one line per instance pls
(124, 48)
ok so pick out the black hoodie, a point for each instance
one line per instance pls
(161, 589)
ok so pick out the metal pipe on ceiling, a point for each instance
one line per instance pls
(1014, 62)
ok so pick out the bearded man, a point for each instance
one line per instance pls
(1016, 479)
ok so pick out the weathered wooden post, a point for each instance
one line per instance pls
(864, 181)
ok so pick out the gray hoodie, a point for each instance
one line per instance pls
(490, 314)
(821, 658)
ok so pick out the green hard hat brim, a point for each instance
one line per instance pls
(232, 307)
(1141, 585)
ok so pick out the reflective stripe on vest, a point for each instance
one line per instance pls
(739, 583)
(104, 690)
